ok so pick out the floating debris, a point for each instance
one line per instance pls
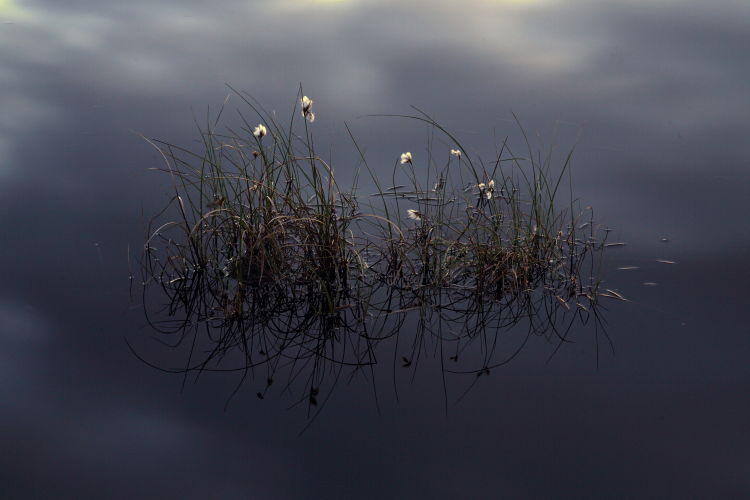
(612, 294)
(664, 239)
(665, 261)
(618, 244)
(628, 268)
(563, 302)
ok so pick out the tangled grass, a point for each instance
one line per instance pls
(271, 269)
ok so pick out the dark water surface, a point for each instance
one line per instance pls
(656, 95)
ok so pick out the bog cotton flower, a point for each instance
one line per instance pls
(486, 190)
(405, 157)
(260, 131)
(456, 153)
(306, 103)
(307, 108)
(413, 214)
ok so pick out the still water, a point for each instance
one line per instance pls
(654, 96)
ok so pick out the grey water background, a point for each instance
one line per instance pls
(654, 94)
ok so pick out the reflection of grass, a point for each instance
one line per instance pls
(269, 264)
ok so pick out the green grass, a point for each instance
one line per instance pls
(270, 268)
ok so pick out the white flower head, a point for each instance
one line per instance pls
(486, 190)
(413, 214)
(456, 153)
(260, 131)
(405, 157)
(307, 108)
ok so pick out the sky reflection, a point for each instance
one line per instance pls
(653, 93)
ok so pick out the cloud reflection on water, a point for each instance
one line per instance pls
(659, 90)
(633, 65)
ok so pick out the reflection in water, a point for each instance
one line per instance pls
(272, 269)
(8, 8)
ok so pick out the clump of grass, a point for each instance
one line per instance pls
(269, 265)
